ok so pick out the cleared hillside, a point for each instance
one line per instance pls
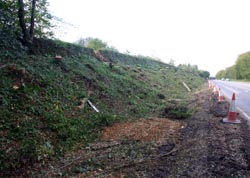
(43, 101)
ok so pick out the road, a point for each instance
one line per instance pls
(242, 93)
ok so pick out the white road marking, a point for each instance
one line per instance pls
(244, 114)
(244, 90)
(230, 89)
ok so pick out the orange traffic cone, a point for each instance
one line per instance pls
(215, 90)
(231, 118)
(209, 84)
(220, 97)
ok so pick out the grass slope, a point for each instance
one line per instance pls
(40, 117)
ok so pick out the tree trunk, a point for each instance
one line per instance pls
(26, 36)
(32, 19)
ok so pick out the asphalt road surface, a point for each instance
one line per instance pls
(242, 93)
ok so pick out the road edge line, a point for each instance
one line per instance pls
(244, 114)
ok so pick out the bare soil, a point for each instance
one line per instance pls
(200, 146)
(153, 129)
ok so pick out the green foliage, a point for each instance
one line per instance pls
(139, 61)
(52, 47)
(242, 66)
(194, 69)
(204, 74)
(43, 20)
(178, 110)
(231, 72)
(189, 67)
(95, 44)
(8, 19)
(220, 74)
(39, 115)
(239, 71)
(10, 47)
(10, 29)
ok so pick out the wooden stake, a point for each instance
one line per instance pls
(89, 102)
(185, 85)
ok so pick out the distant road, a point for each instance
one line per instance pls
(242, 92)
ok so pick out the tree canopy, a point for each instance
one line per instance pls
(95, 43)
(24, 20)
(243, 65)
(194, 69)
(240, 70)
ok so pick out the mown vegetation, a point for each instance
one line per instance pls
(43, 108)
(239, 71)
(39, 112)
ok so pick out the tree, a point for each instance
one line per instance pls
(25, 19)
(31, 14)
(231, 72)
(204, 74)
(220, 74)
(43, 20)
(28, 32)
(242, 66)
(95, 44)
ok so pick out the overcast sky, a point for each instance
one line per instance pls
(207, 33)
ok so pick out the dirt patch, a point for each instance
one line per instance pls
(122, 145)
(208, 147)
(219, 109)
(144, 130)
(201, 146)
(100, 57)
